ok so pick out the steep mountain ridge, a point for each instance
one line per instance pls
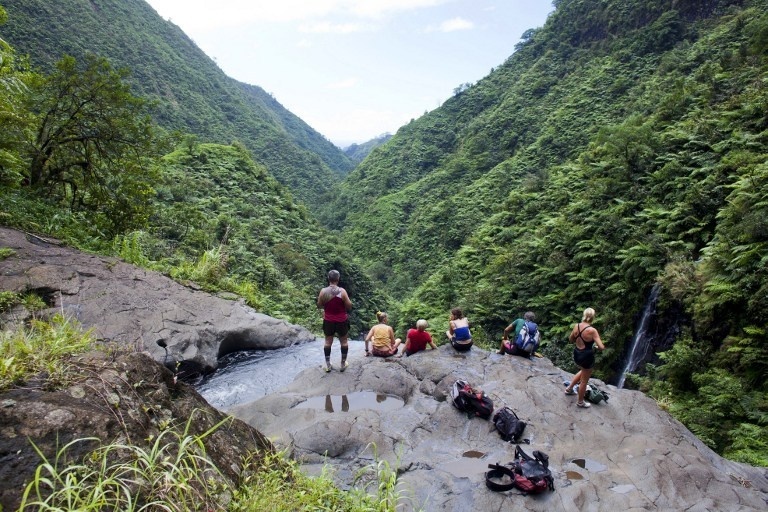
(192, 93)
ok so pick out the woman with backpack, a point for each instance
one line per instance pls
(585, 337)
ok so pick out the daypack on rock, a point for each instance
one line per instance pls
(592, 394)
(472, 401)
(528, 339)
(595, 395)
(531, 475)
(509, 426)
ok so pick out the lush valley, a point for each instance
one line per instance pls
(623, 144)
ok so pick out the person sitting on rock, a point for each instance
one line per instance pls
(382, 337)
(458, 331)
(509, 347)
(417, 339)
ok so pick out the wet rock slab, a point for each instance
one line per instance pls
(626, 454)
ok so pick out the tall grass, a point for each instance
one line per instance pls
(172, 474)
(42, 348)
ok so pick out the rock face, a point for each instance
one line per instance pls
(128, 398)
(137, 307)
(626, 454)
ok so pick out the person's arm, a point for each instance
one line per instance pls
(432, 343)
(572, 336)
(597, 340)
(367, 339)
(451, 327)
(321, 298)
(345, 298)
(507, 330)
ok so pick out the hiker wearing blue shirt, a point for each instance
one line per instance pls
(516, 327)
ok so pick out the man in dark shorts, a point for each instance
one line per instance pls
(335, 303)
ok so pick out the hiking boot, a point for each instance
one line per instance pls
(344, 366)
(327, 368)
(583, 405)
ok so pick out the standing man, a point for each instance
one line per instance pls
(335, 303)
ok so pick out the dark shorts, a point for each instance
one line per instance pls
(584, 358)
(340, 329)
(461, 346)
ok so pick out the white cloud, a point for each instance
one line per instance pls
(326, 27)
(200, 15)
(452, 25)
(347, 83)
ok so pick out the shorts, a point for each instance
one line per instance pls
(383, 353)
(461, 346)
(511, 349)
(340, 329)
(584, 358)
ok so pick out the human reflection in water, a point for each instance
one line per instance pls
(329, 403)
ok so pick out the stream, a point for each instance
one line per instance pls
(251, 374)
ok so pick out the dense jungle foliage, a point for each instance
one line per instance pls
(621, 146)
(189, 91)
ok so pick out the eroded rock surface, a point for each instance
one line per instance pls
(123, 398)
(624, 455)
(138, 307)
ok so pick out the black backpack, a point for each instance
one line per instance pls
(472, 401)
(531, 475)
(509, 426)
(528, 339)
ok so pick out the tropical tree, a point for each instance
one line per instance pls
(93, 142)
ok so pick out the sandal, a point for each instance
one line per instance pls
(584, 405)
(569, 391)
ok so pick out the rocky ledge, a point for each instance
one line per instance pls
(136, 307)
(626, 454)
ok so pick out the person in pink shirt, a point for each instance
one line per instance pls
(335, 303)
(417, 339)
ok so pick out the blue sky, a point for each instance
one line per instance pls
(355, 69)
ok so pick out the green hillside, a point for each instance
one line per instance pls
(623, 144)
(192, 94)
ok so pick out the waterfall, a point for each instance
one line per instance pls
(638, 348)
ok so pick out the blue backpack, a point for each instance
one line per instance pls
(529, 338)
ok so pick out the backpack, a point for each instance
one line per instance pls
(531, 475)
(595, 395)
(528, 339)
(472, 401)
(509, 426)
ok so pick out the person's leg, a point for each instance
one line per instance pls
(344, 351)
(327, 352)
(501, 347)
(575, 380)
(585, 374)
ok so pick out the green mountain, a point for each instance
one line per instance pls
(623, 144)
(192, 94)
(358, 152)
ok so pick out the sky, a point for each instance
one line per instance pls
(356, 69)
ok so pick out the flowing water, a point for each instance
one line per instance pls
(251, 374)
(641, 341)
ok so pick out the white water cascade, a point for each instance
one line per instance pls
(640, 342)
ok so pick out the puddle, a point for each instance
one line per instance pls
(574, 475)
(622, 489)
(590, 465)
(470, 464)
(353, 402)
